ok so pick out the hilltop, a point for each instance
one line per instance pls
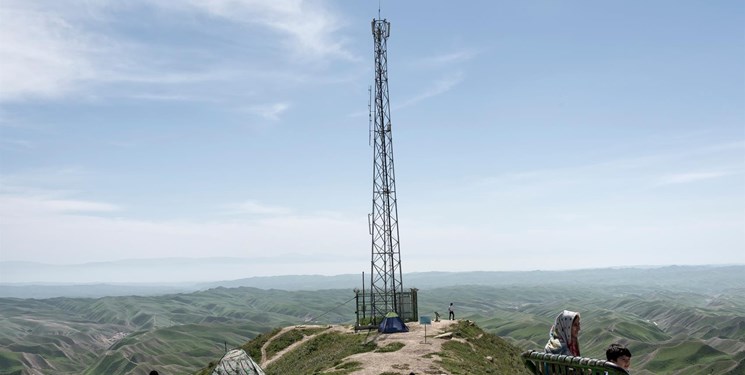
(450, 347)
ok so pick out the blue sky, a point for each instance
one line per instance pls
(527, 135)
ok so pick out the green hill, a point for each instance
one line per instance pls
(114, 335)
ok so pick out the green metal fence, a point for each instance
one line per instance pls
(541, 363)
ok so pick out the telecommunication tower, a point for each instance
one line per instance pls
(386, 288)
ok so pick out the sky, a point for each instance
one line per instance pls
(527, 135)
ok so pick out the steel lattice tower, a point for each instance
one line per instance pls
(386, 286)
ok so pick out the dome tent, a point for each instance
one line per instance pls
(237, 362)
(392, 323)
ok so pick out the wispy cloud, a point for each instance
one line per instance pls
(15, 205)
(257, 208)
(16, 144)
(170, 97)
(46, 182)
(310, 27)
(685, 178)
(51, 51)
(77, 232)
(440, 86)
(72, 206)
(444, 60)
(626, 175)
(41, 54)
(268, 111)
(169, 77)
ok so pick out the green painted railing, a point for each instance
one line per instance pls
(541, 363)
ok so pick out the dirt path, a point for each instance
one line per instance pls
(415, 356)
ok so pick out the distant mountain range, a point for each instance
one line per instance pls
(680, 278)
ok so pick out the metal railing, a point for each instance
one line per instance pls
(541, 363)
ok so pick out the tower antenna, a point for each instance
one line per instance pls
(385, 277)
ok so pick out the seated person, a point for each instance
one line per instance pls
(619, 355)
(564, 335)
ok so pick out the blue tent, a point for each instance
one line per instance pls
(392, 323)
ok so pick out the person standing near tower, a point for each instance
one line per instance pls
(451, 309)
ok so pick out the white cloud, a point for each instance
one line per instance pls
(168, 77)
(50, 50)
(165, 97)
(269, 111)
(444, 60)
(440, 86)
(310, 28)
(40, 228)
(28, 205)
(684, 178)
(432, 245)
(54, 228)
(626, 174)
(72, 206)
(44, 179)
(254, 207)
(41, 54)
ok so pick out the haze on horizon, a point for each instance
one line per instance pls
(527, 135)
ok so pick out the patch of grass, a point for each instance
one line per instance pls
(392, 347)
(283, 341)
(10, 362)
(739, 369)
(349, 365)
(469, 357)
(288, 338)
(253, 347)
(320, 353)
(115, 363)
(692, 353)
(345, 368)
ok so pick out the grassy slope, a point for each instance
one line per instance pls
(171, 350)
(10, 363)
(646, 320)
(696, 356)
(469, 357)
(323, 352)
(72, 334)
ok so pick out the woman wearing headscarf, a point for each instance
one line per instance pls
(564, 335)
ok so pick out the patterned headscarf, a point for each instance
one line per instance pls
(561, 335)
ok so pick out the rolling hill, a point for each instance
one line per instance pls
(678, 325)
